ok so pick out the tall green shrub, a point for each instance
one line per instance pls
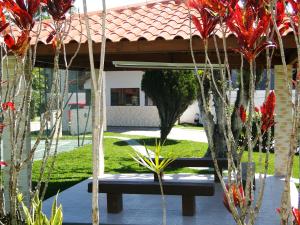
(172, 91)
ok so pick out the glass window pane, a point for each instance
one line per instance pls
(125, 96)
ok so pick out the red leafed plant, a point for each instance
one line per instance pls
(3, 23)
(22, 14)
(294, 13)
(210, 14)
(296, 213)
(237, 194)
(8, 105)
(58, 8)
(243, 114)
(207, 22)
(267, 112)
(20, 46)
(282, 20)
(249, 31)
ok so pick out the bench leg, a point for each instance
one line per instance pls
(114, 203)
(217, 180)
(188, 205)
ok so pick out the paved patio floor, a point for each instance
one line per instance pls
(146, 209)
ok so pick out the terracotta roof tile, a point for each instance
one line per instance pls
(162, 19)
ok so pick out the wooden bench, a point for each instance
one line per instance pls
(188, 191)
(199, 162)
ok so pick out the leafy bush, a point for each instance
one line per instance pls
(37, 217)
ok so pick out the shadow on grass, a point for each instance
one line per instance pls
(149, 142)
(55, 187)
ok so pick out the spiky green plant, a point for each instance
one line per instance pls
(156, 165)
(36, 215)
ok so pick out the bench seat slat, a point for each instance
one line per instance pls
(151, 187)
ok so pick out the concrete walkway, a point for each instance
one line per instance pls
(63, 146)
(175, 134)
(146, 209)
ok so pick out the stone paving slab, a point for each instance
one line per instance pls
(146, 209)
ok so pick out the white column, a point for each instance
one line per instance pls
(283, 121)
(24, 182)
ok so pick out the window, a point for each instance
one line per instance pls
(125, 96)
(148, 101)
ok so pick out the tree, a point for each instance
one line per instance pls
(97, 110)
(17, 84)
(172, 91)
(217, 124)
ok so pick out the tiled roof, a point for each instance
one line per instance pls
(160, 20)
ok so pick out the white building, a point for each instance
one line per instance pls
(126, 104)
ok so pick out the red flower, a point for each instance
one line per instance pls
(237, 194)
(58, 8)
(267, 111)
(3, 164)
(7, 105)
(243, 114)
(296, 213)
(256, 109)
(249, 24)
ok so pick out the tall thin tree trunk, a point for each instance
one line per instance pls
(97, 110)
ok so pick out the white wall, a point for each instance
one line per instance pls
(189, 115)
(140, 116)
(128, 115)
(124, 79)
(259, 97)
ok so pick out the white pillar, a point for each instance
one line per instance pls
(283, 121)
(24, 181)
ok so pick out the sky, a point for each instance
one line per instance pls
(94, 5)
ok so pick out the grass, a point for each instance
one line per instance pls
(75, 166)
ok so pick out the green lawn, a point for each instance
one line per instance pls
(75, 166)
(189, 126)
